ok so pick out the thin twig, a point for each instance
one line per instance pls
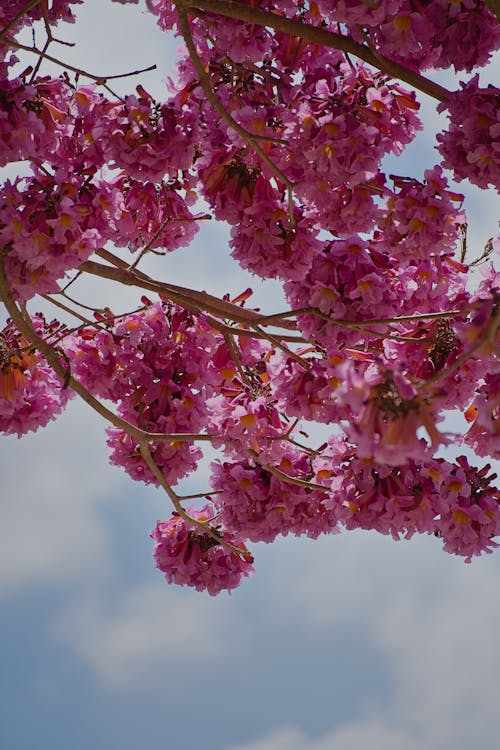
(64, 307)
(100, 79)
(279, 345)
(250, 138)
(235, 355)
(176, 502)
(198, 495)
(287, 478)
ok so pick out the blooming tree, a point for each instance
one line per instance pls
(280, 116)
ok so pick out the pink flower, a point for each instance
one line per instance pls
(440, 34)
(395, 500)
(260, 506)
(473, 518)
(340, 124)
(191, 557)
(264, 242)
(421, 219)
(386, 425)
(151, 141)
(31, 394)
(471, 145)
(156, 216)
(452, 501)
(152, 363)
(50, 225)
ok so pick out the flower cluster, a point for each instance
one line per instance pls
(452, 501)
(341, 122)
(260, 505)
(471, 145)
(146, 139)
(421, 220)
(152, 364)
(441, 34)
(484, 413)
(152, 216)
(49, 226)
(189, 556)
(31, 394)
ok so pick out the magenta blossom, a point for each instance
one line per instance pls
(189, 556)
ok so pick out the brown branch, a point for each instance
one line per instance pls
(357, 323)
(176, 502)
(197, 302)
(494, 6)
(29, 6)
(310, 33)
(286, 477)
(188, 298)
(49, 353)
(100, 79)
(253, 333)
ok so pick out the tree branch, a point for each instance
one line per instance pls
(29, 6)
(176, 502)
(99, 79)
(190, 299)
(494, 6)
(248, 137)
(49, 353)
(310, 33)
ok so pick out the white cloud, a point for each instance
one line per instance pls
(369, 735)
(348, 577)
(53, 484)
(132, 637)
(285, 738)
(433, 620)
(110, 39)
(444, 656)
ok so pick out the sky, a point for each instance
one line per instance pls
(352, 641)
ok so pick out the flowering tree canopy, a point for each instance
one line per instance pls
(279, 119)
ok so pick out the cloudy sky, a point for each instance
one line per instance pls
(349, 642)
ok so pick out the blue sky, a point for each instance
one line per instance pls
(349, 642)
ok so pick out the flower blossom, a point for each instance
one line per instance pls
(258, 504)
(387, 415)
(189, 556)
(31, 394)
(471, 145)
(450, 500)
(421, 219)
